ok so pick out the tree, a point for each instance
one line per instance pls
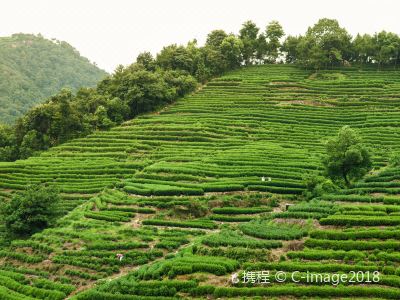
(30, 144)
(364, 48)
(386, 48)
(117, 110)
(289, 47)
(181, 82)
(214, 62)
(8, 147)
(64, 121)
(347, 158)
(215, 38)
(231, 49)
(274, 32)
(101, 120)
(261, 48)
(326, 43)
(248, 34)
(175, 57)
(146, 60)
(30, 211)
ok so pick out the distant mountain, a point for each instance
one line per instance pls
(33, 68)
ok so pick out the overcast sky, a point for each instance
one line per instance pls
(115, 32)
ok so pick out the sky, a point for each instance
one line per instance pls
(114, 32)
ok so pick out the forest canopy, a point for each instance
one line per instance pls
(33, 68)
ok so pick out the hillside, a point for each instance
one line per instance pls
(179, 194)
(33, 68)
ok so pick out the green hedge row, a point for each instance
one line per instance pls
(226, 218)
(234, 239)
(103, 245)
(27, 258)
(240, 210)
(319, 267)
(275, 189)
(51, 285)
(82, 274)
(105, 216)
(349, 220)
(327, 254)
(205, 224)
(356, 234)
(237, 253)
(31, 291)
(162, 190)
(32, 244)
(309, 291)
(352, 245)
(273, 231)
(299, 215)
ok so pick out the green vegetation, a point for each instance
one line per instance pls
(235, 239)
(273, 231)
(326, 44)
(151, 83)
(186, 203)
(30, 211)
(347, 158)
(225, 180)
(33, 68)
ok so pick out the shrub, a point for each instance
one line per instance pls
(327, 254)
(232, 238)
(205, 224)
(31, 210)
(352, 245)
(240, 210)
(309, 291)
(349, 220)
(272, 231)
(225, 218)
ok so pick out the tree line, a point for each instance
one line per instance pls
(152, 82)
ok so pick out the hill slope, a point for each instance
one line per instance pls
(33, 68)
(185, 184)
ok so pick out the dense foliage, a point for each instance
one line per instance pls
(346, 157)
(326, 44)
(33, 68)
(30, 211)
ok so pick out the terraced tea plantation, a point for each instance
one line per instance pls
(171, 204)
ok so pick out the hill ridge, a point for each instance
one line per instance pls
(33, 68)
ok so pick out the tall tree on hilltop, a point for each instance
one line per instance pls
(363, 49)
(231, 49)
(215, 38)
(274, 32)
(147, 60)
(249, 34)
(325, 44)
(290, 48)
(387, 48)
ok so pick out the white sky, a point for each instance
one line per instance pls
(115, 32)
